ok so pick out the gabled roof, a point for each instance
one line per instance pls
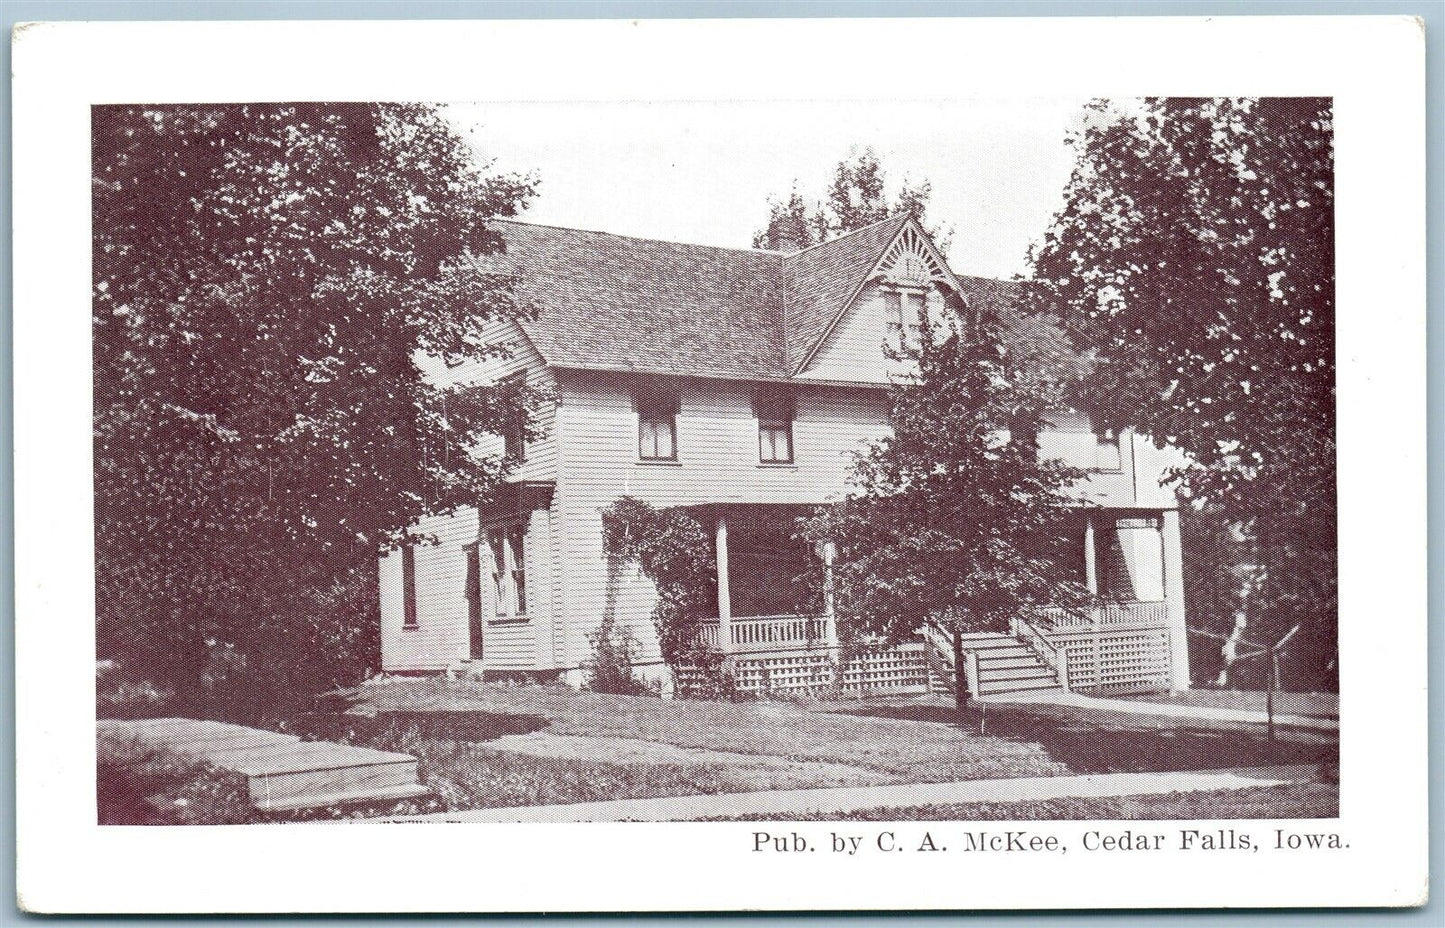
(821, 281)
(613, 302)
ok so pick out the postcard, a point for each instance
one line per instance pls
(688, 465)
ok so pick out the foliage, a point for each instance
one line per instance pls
(141, 785)
(675, 554)
(268, 283)
(1195, 253)
(953, 521)
(610, 668)
(854, 198)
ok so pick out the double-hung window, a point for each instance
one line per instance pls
(408, 585)
(518, 554)
(904, 316)
(1106, 451)
(509, 572)
(514, 445)
(657, 425)
(774, 409)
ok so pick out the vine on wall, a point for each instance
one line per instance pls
(674, 552)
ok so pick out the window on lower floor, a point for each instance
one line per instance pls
(509, 572)
(408, 585)
(517, 550)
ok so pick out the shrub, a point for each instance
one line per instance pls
(610, 669)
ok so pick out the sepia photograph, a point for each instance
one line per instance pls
(550, 462)
(842, 465)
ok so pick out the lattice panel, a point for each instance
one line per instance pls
(1135, 660)
(903, 668)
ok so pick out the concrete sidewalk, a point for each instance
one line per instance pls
(785, 803)
(1169, 710)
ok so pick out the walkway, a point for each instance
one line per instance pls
(844, 799)
(282, 771)
(1170, 710)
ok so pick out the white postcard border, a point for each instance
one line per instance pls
(1374, 69)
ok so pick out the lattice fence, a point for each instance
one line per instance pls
(901, 669)
(1116, 660)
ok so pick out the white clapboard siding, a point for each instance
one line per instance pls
(717, 462)
(540, 460)
(853, 350)
(443, 633)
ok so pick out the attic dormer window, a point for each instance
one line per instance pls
(657, 425)
(903, 311)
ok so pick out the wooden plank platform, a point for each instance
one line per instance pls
(283, 771)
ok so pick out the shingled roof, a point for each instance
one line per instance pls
(613, 302)
(819, 282)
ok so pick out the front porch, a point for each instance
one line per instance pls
(1129, 642)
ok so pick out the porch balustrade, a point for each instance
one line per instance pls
(1106, 615)
(765, 633)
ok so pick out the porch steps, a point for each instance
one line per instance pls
(1005, 665)
(282, 771)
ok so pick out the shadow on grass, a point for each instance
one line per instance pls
(1101, 742)
(391, 727)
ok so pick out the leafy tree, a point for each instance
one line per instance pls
(792, 224)
(953, 522)
(854, 198)
(268, 281)
(1195, 252)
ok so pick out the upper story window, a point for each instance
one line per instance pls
(514, 445)
(1106, 450)
(657, 425)
(904, 314)
(774, 409)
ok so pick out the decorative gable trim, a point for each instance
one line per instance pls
(911, 259)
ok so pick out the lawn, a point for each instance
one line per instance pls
(491, 746)
(1293, 800)
(897, 750)
(762, 745)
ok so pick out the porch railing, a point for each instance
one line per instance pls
(1055, 657)
(766, 633)
(1105, 615)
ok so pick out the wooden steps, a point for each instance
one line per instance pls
(282, 771)
(1005, 665)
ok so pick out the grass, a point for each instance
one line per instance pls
(453, 728)
(916, 751)
(1095, 741)
(137, 784)
(1309, 705)
(1293, 800)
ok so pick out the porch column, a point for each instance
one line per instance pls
(724, 598)
(830, 617)
(1174, 600)
(1091, 576)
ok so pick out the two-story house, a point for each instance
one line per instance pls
(738, 383)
